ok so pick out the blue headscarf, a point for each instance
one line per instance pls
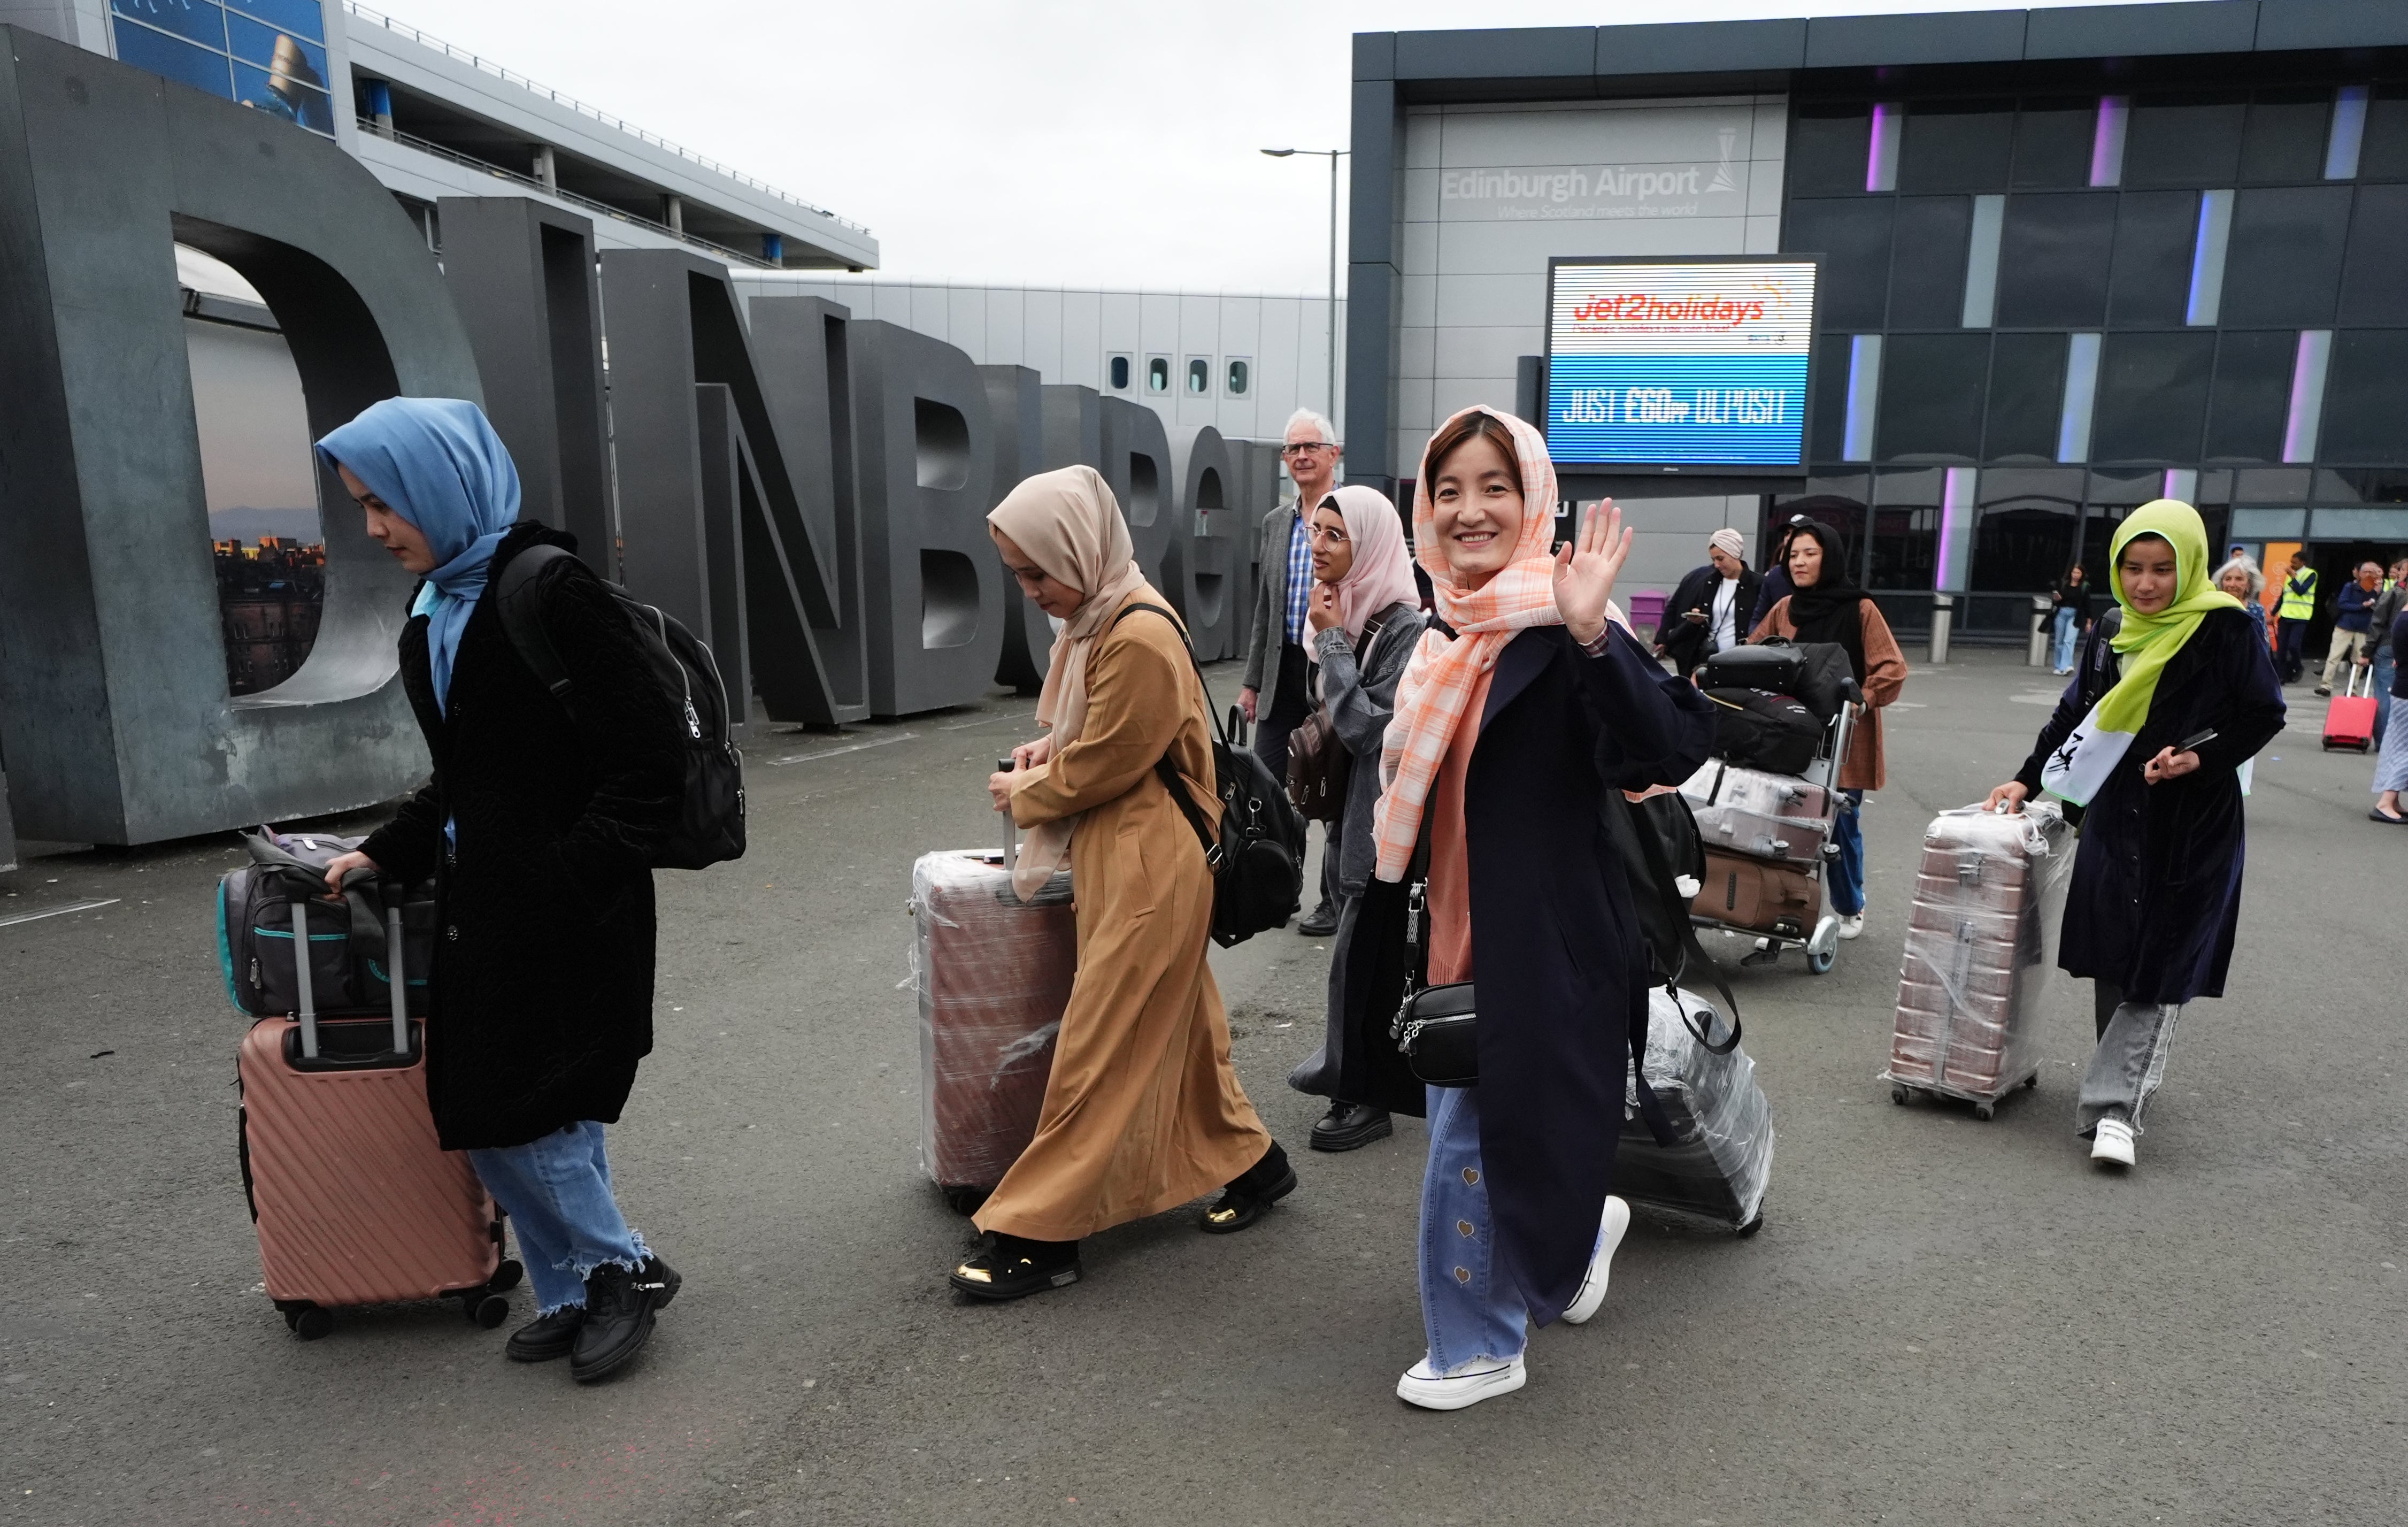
(437, 463)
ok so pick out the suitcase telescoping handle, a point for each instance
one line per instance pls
(1011, 828)
(392, 958)
(301, 979)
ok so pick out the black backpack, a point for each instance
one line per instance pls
(709, 825)
(1755, 729)
(1657, 842)
(1257, 855)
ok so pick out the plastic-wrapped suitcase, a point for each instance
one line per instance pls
(1766, 817)
(992, 974)
(1769, 896)
(354, 1201)
(1980, 954)
(1721, 1161)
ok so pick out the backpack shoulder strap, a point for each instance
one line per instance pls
(518, 595)
(1162, 767)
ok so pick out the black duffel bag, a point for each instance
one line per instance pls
(1814, 673)
(1757, 729)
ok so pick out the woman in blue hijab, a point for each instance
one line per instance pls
(535, 826)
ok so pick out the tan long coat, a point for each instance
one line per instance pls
(1144, 1111)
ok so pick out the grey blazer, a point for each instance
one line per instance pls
(1360, 701)
(1268, 627)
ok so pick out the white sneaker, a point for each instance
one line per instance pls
(1852, 927)
(1484, 1379)
(1609, 1236)
(2113, 1142)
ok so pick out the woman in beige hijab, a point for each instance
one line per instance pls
(1142, 1111)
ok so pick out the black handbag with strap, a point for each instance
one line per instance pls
(1318, 764)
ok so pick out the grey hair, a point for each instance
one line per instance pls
(2256, 578)
(1318, 421)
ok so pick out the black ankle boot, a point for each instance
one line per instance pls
(1012, 1267)
(620, 1308)
(1349, 1126)
(546, 1336)
(1246, 1199)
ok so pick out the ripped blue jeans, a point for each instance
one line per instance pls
(556, 1191)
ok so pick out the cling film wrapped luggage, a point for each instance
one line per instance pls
(1721, 1161)
(993, 976)
(1980, 952)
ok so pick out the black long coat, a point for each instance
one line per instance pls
(1558, 954)
(541, 993)
(2156, 897)
(1684, 643)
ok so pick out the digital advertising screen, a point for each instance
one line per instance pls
(1656, 364)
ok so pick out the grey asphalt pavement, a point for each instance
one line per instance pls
(1943, 1320)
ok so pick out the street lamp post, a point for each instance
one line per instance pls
(1333, 155)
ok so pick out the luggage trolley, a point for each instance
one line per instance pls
(1822, 941)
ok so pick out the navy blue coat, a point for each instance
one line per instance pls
(2155, 898)
(1556, 950)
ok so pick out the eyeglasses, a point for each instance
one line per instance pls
(1334, 534)
(1298, 449)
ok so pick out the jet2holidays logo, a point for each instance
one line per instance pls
(1546, 193)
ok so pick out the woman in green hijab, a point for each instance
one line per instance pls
(2153, 741)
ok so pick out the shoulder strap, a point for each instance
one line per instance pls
(524, 621)
(1692, 957)
(1162, 767)
(1370, 634)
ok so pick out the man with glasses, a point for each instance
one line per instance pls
(1278, 693)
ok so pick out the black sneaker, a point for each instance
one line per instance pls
(546, 1336)
(1351, 1126)
(1249, 1197)
(620, 1307)
(1321, 924)
(1010, 1267)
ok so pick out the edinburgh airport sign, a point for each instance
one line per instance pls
(1672, 365)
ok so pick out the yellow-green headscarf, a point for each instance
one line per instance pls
(2149, 643)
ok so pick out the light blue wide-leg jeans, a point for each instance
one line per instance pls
(556, 1191)
(1470, 1303)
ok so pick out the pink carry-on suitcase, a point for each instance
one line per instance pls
(2349, 720)
(354, 1201)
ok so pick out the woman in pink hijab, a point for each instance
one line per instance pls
(1366, 617)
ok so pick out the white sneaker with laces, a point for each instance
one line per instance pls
(1609, 1236)
(1482, 1379)
(1852, 925)
(2112, 1143)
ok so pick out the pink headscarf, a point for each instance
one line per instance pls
(1383, 571)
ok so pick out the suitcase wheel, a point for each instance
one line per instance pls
(1900, 1095)
(1986, 1111)
(2032, 1080)
(506, 1276)
(1819, 963)
(485, 1309)
(1752, 1226)
(309, 1321)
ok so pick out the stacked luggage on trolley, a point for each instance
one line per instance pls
(1767, 802)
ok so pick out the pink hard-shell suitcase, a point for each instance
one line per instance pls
(354, 1200)
(2349, 720)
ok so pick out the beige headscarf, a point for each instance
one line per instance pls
(1068, 524)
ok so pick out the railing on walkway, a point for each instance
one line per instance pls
(621, 124)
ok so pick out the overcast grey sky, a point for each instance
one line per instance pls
(1058, 142)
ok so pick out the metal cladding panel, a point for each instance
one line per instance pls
(731, 487)
(2332, 23)
(664, 557)
(1015, 402)
(1375, 55)
(1203, 544)
(2203, 26)
(1137, 465)
(1959, 38)
(936, 587)
(1378, 136)
(1542, 52)
(1701, 46)
(522, 274)
(115, 715)
(1369, 381)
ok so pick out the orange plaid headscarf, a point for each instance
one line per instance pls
(1436, 686)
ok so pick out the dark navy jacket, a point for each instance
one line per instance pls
(2156, 897)
(1558, 954)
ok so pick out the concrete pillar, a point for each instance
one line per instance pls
(673, 213)
(547, 171)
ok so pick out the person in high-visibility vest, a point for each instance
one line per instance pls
(2299, 607)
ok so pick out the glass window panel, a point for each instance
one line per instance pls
(1956, 146)
(2284, 264)
(1931, 396)
(255, 44)
(2285, 137)
(178, 60)
(1904, 541)
(2252, 396)
(2026, 527)
(2372, 288)
(2363, 486)
(1831, 421)
(1827, 143)
(2026, 397)
(195, 20)
(1240, 373)
(1200, 376)
(1855, 238)
(2053, 140)
(2366, 397)
(283, 95)
(2110, 497)
(1848, 519)
(2215, 488)
(2383, 153)
(2189, 140)
(2152, 397)
(2054, 255)
(1157, 374)
(1927, 271)
(2155, 231)
(2278, 486)
(302, 17)
(1120, 373)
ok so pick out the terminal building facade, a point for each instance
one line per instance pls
(2072, 260)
